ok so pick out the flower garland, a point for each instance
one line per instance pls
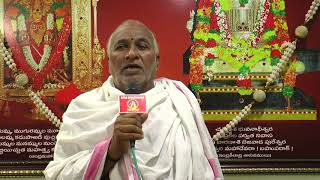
(260, 95)
(222, 22)
(26, 44)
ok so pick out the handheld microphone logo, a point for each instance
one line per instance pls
(132, 102)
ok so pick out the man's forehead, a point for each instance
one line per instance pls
(132, 32)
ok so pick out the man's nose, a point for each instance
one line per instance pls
(132, 53)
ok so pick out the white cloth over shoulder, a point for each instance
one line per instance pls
(176, 142)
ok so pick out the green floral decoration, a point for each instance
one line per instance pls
(226, 5)
(213, 31)
(244, 92)
(206, 36)
(274, 61)
(22, 9)
(196, 87)
(244, 69)
(204, 19)
(287, 91)
(269, 35)
(243, 2)
(57, 5)
(209, 61)
(278, 8)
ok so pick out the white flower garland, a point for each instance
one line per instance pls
(222, 23)
(26, 48)
(263, 13)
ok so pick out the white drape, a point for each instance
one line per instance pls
(171, 149)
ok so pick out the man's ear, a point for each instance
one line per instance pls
(109, 65)
(158, 61)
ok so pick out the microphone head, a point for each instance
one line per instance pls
(133, 88)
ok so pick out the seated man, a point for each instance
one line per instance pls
(171, 140)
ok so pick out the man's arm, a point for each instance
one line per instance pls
(110, 162)
(128, 127)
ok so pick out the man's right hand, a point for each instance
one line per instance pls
(127, 127)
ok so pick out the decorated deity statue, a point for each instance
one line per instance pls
(38, 32)
(236, 45)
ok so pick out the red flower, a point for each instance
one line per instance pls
(199, 42)
(211, 56)
(275, 41)
(244, 83)
(213, 22)
(196, 74)
(211, 43)
(200, 4)
(12, 12)
(269, 24)
(275, 53)
(61, 12)
(247, 83)
(207, 3)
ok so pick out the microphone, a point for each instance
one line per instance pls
(133, 88)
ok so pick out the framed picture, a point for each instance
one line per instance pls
(231, 61)
(50, 44)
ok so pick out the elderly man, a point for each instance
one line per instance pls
(171, 139)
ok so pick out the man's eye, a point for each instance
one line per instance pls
(120, 46)
(142, 46)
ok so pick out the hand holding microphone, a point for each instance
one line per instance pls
(128, 125)
(127, 128)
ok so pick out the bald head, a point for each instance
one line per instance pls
(131, 24)
(133, 56)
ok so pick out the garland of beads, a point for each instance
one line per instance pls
(35, 97)
(7, 55)
(53, 86)
(312, 10)
(260, 95)
(22, 80)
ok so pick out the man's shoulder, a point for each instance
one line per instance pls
(88, 98)
(91, 94)
(180, 85)
(163, 79)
